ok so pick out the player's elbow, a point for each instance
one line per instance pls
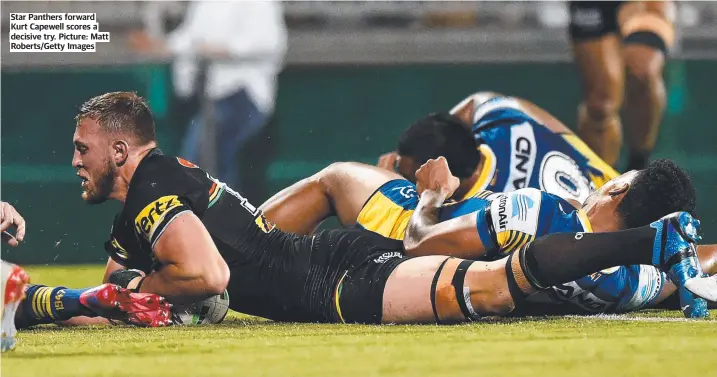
(415, 242)
(216, 278)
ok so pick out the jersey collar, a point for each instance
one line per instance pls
(486, 174)
(584, 221)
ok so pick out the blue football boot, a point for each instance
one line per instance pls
(674, 251)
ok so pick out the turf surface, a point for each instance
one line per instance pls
(649, 343)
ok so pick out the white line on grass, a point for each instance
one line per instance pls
(623, 317)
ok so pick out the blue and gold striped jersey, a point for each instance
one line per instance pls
(507, 221)
(519, 152)
(513, 219)
(388, 210)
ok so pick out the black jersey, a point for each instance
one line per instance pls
(273, 274)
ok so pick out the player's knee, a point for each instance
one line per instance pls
(494, 303)
(644, 69)
(601, 108)
(328, 176)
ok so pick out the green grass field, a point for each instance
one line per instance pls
(644, 344)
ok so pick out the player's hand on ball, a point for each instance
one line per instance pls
(435, 175)
(388, 161)
(10, 218)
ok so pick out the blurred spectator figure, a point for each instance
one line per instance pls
(245, 43)
(620, 48)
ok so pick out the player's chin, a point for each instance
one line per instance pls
(91, 198)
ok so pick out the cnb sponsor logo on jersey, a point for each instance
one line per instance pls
(153, 214)
(522, 156)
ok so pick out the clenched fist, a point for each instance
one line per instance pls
(436, 176)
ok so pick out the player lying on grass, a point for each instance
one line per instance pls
(502, 144)
(189, 237)
(27, 304)
(489, 226)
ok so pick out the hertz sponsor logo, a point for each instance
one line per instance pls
(153, 214)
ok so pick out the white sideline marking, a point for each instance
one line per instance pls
(623, 317)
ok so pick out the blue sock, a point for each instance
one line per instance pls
(45, 304)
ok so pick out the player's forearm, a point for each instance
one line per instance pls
(424, 218)
(178, 284)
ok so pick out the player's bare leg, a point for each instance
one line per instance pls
(647, 33)
(602, 76)
(422, 290)
(340, 190)
(445, 290)
(14, 281)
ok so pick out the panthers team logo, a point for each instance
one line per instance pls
(186, 163)
(114, 247)
(265, 225)
(119, 250)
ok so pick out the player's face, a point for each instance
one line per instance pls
(92, 161)
(407, 167)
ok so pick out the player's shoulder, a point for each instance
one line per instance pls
(164, 179)
(557, 202)
(529, 206)
(499, 111)
(157, 165)
(157, 170)
(516, 210)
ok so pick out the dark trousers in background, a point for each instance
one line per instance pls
(236, 119)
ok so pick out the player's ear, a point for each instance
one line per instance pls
(619, 189)
(120, 150)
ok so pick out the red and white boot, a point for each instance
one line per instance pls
(14, 280)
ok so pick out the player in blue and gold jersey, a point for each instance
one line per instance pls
(501, 144)
(489, 226)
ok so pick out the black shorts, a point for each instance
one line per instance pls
(299, 278)
(593, 19)
(368, 259)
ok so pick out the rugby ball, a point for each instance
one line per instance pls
(206, 312)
